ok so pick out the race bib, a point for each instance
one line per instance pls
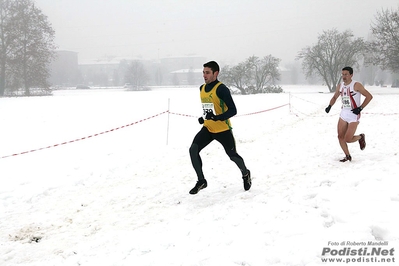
(207, 108)
(346, 102)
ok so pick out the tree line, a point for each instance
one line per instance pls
(325, 59)
(254, 75)
(335, 50)
(27, 48)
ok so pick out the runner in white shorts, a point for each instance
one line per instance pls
(350, 92)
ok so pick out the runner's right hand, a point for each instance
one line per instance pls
(328, 109)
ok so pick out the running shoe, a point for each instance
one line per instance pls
(247, 180)
(201, 184)
(362, 141)
(346, 158)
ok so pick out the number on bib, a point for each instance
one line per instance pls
(207, 108)
(346, 103)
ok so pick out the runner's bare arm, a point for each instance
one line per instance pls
(335, 96)
(367, 95)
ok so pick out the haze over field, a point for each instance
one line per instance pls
(227, 31)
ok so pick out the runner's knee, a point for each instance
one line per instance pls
(193, 149)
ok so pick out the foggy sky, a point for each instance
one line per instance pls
(227, 31)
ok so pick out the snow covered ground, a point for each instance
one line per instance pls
(121, 197)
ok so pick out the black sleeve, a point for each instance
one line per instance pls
(224, 94)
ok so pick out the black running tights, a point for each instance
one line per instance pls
(203, 138)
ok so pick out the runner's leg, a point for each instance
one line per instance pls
(342, 127)
(350, 133)
(201, 140)
(227, 140)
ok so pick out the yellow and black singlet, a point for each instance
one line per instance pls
(211, 102)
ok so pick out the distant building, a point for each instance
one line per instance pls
(187, 76)
(170, 71)
(102, 74)
(183, 70)
(64, 69)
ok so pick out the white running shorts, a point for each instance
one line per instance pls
(348, 116)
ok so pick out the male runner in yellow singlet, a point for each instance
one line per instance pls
(350, 92)
(218, 106)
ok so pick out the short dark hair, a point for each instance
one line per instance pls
(212, 65)
(348, 69)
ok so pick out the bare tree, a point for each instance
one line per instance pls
(384, 48)
(35, 45)
(7, 39)
(136, 75)
(265, 71)
(27, 45)
(238, 76)
(254, 75)
(333, 51)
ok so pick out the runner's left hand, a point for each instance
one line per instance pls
(357, 110)
(212, 116)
